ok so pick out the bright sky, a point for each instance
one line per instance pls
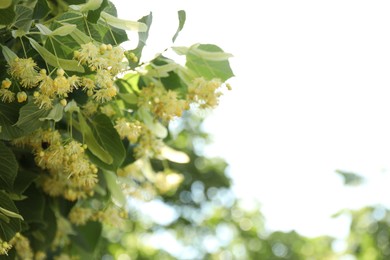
(311, 95)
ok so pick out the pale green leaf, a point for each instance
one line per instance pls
(209, 55)
(43, 29)
(8, 54)
(117, 195)
(154, 125)
(10, 213)
(79, 36)
(64, 30)
(129, 98)
(123, 24)
(51, 59)
(55, 113)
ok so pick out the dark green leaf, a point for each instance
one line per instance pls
(108, 137)
(182, 20)
(142, 37)
(8, 167)
(88, 236)
(51, 59)
(23, 18)
(23, 180)
(209, 69)
(93, 145)
(7, 15)
(36, 198)
(29, 117)
(41, 10)
(8, 230)
(93, 16)
(9, 114)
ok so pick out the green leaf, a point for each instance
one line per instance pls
(23, 180)
(23, 19)
(41, 10)
(80, 37)
(8, 54)
(65, 29)
(7, 15)
(36, 198)
(182, 20)
(9, 114)
(8, 230)
(43, 29)
(8, 167)
(129, 98)
(88, 235)
(29, 117)
(117, 195)
(51, 59)
(5, 4)
(55, 114)
(92, 144)
(155, 126)
(109, 138)
(10, 213)
(208, 67)
(350, 178)
(88, 6)
(94, 15)
(124, 24)
(142, 37)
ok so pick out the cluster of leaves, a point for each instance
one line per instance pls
(89, 125)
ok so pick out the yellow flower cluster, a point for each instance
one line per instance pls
(112, 216)
(148, 145)
(70, 172)
(4, 247)
(129, 130)
(25, 71)
(107, 61)
(22, 247)
(165, 104)
(6, 94)
(204, 92)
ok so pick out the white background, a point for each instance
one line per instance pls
(311, 95)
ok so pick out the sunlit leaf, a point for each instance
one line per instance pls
(207, 66)
(124, 24)
(88, 236)
(116, 192)
(65, 29)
